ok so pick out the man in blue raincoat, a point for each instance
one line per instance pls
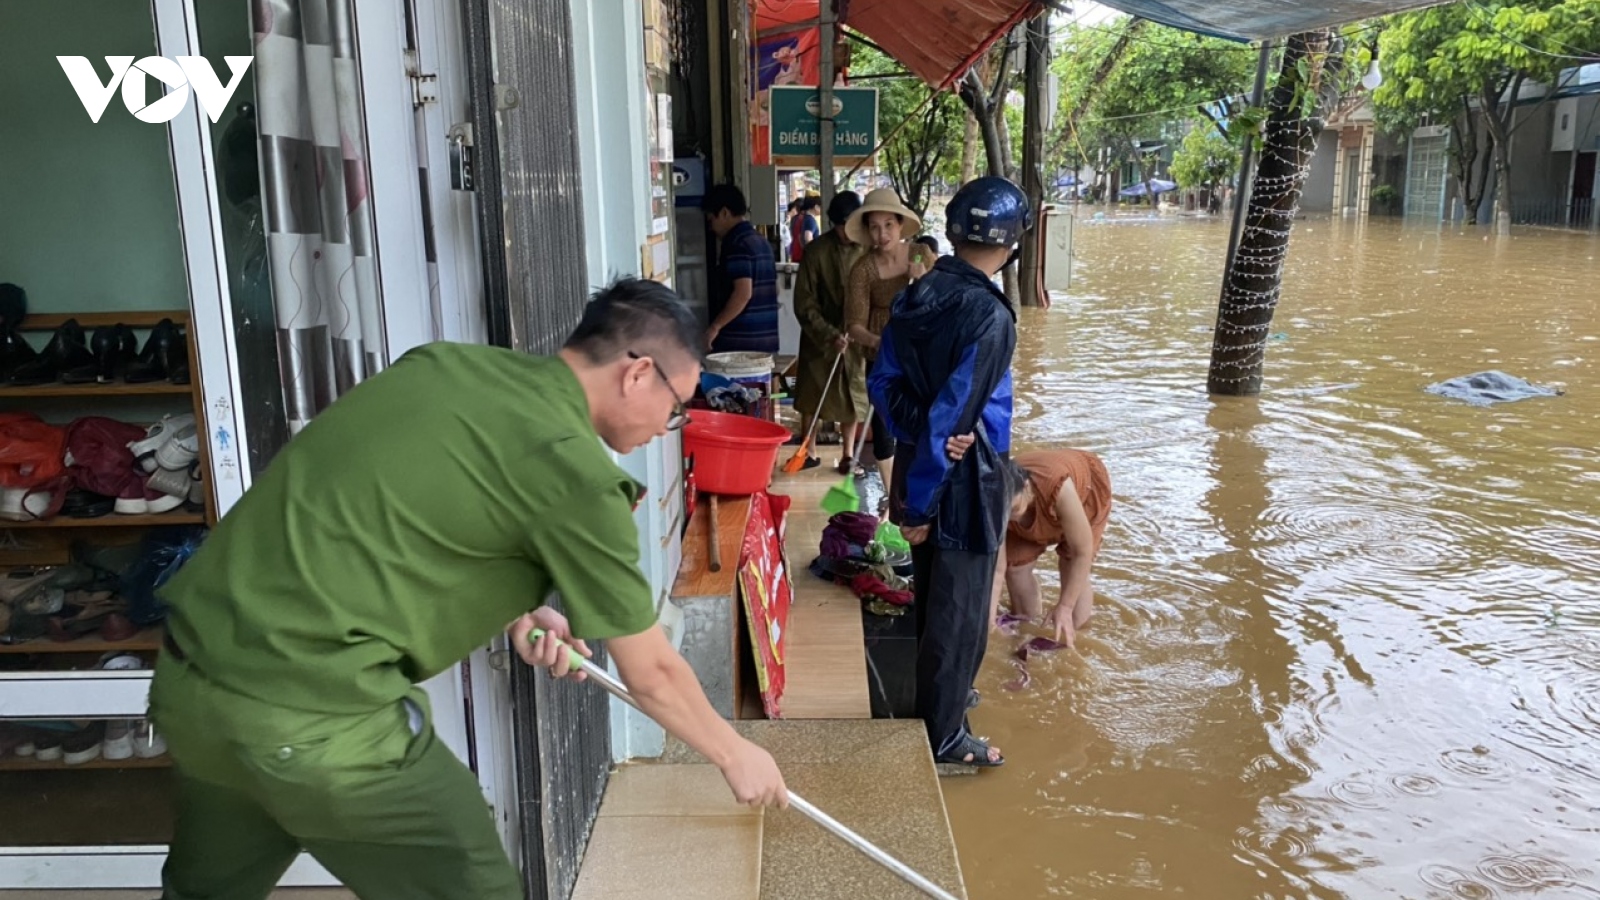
(944, 369)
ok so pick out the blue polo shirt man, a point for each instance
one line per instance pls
(744, 286)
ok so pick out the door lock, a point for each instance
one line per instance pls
(461, 158)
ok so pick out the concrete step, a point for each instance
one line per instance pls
(669, 829)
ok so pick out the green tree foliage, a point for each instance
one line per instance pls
(928, 148)
(1205, 159)
(1462, 64)
(1161, 78)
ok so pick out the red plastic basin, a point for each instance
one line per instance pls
(732, 454)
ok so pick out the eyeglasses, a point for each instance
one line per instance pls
(680, 414)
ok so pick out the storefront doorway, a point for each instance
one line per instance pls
(155, 225)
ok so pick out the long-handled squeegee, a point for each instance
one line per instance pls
(876, 854)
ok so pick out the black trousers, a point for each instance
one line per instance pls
(883, 444)
(952, 589)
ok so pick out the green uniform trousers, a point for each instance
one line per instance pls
(375, 797)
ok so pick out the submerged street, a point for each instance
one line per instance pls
(1347, 642)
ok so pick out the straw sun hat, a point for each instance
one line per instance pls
(881, 200)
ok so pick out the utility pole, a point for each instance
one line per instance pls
(828, 16)
(1035, 73)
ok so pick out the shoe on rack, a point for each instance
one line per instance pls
(183, 447)
(81, 504)
(47, 745)
(24, 505)
(114, 348)
(66, 356)
(83, 745)
(173, 483)
(118, 743)
(146, 743)
(117, 627)
(162, 353)
(157, 436)
(14, 351)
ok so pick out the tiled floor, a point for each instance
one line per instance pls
(875, 777)
(825, 666)
(669, 831)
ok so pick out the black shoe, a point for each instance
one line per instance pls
(178, 368)
(163, 350)
(67, 355)
(114, 349)
(82, 504)
(14, 352)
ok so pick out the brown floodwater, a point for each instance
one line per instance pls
(1348, 634)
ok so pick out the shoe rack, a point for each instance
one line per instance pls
(48, 542)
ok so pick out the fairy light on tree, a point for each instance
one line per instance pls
(1253, 282)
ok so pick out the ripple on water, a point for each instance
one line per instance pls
(1456, 883)
(1271, 846)
(1359, 794)
(1476, 763)
(1525, 872)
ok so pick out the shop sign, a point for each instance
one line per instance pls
(764, 584)
(178, 75)
(795, 133)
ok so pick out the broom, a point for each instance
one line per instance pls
(797, 462)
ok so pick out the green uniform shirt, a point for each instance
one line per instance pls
(407, 525)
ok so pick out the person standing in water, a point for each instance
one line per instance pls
(943, 369)
(1064, 503)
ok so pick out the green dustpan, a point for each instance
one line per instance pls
(842, 497)
(890, 537)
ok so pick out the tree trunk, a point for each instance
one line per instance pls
(969, 149)
(1499, 124)
(1485, 172)
(974, 95)
(1254, 278)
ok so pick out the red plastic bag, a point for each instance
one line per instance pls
(31, 450)
(101, 460)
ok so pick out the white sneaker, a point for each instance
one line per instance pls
(11, 504)
(146, 743)
(118, 742)
(132, 506)
(145, 451)
(182, 447)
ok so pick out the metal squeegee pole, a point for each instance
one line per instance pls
(837, 828)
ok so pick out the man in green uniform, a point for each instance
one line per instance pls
(407, 525)
(819, 293)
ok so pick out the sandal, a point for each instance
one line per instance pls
(973, 747)
(847, 465)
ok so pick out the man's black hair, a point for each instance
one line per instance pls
(633, 314)
(842, 206)
(929, 241)
(728, 197)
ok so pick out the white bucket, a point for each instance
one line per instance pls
(744, 367)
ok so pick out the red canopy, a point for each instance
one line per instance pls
(936, 39)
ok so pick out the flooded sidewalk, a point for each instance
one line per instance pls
(1348, 634)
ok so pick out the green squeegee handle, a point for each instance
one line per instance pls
(578, 660)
